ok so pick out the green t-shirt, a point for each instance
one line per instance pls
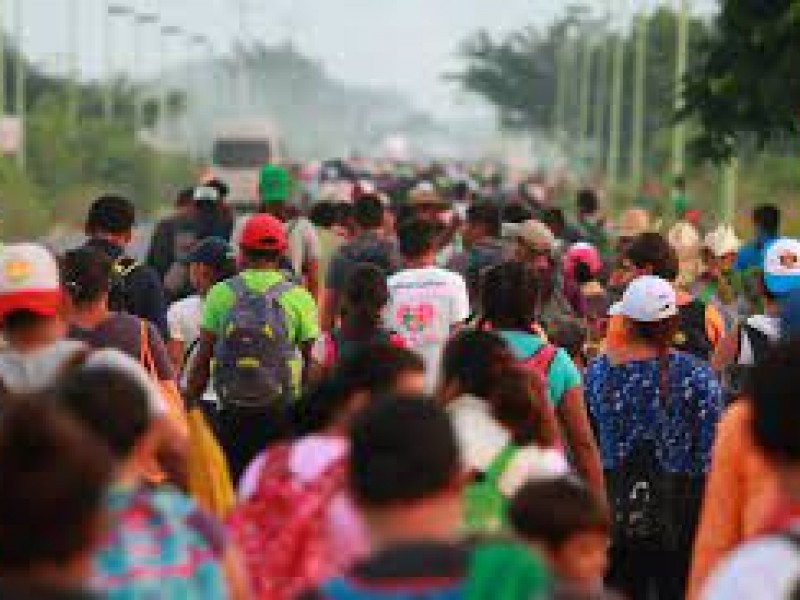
(563, 374)
(302, 320)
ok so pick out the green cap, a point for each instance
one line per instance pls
(274, 184)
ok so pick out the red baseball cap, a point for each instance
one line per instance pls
(29, 280)
(263, 232)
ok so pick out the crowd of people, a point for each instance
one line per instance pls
(401, 383)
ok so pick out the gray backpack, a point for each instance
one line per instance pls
(253, 355)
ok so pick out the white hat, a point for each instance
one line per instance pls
(722, 241)
(647, 299)
(782, 266)
(29, 280)
(206, 193)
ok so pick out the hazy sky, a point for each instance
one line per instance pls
(405, 44)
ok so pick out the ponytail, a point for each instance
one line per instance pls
(660, 335)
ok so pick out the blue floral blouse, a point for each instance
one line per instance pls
(625, 406)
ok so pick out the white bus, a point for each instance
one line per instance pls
(239, 150)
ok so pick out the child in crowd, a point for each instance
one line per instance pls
(405, 476)
(360, 323)
(295, 494)
(161, 544)
(52, 518)
(563, 521)
(212, 260)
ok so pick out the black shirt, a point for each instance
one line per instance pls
(143, 291)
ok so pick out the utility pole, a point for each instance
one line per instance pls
(73, 100)
(2, 62)
(615, 117)
(585, 90)
(140, 22)
(639, 101)
(20, 82)
(730, 176)
(681, 62)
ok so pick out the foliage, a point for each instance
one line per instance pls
(747, 85)
(68, 164)
(518, 74)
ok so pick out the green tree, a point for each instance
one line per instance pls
(746, 86)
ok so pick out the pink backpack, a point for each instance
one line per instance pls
(283, 529)
(538, 365)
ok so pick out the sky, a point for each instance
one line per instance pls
(406, 45)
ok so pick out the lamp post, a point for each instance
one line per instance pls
(73, 103)
(20, 81)
(639, 101)
(167, 32)
(682, 51)
(141, 20)
(112, 10)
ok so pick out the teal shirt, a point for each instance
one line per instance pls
(563, 374)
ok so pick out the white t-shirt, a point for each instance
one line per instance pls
(765, 569)
(183, 320)
(481, 439)
(424, 305)
(33, 372)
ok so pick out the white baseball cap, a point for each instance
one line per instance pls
(722, 241)
(29, 280)
(647, 299)
(782, 266)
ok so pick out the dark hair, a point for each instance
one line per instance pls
(366, 293)
(255, 255)
(402, 449)
(222, 188)
(653, 250)
(510, 296)
(587, 201)
(582, 272)
(417, 237)
(767, 217)
(54, 478)
(516, 212)
(481, 364)
(569, 333)
(323, 214)
(369, 212)
(110, 403)
(111, 213)
(554, 218)
(661, 336)
(21, 321)
(86, 273)
(185, 197)
(487, 215)
(372, 368)
(552, 511)
(776, 411)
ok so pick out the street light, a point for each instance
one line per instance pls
(141, 20)
(167, 32)
(112, 10)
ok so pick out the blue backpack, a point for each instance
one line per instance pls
(253, 356)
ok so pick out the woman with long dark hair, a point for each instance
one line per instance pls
(655, 412)
(511, 296)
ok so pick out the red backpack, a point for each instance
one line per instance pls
(282, 530)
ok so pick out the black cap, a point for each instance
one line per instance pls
(213, 251)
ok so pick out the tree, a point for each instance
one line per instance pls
(747, 83)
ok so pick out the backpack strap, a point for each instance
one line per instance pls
(542, 359)
(124, 266)
(499, 464)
